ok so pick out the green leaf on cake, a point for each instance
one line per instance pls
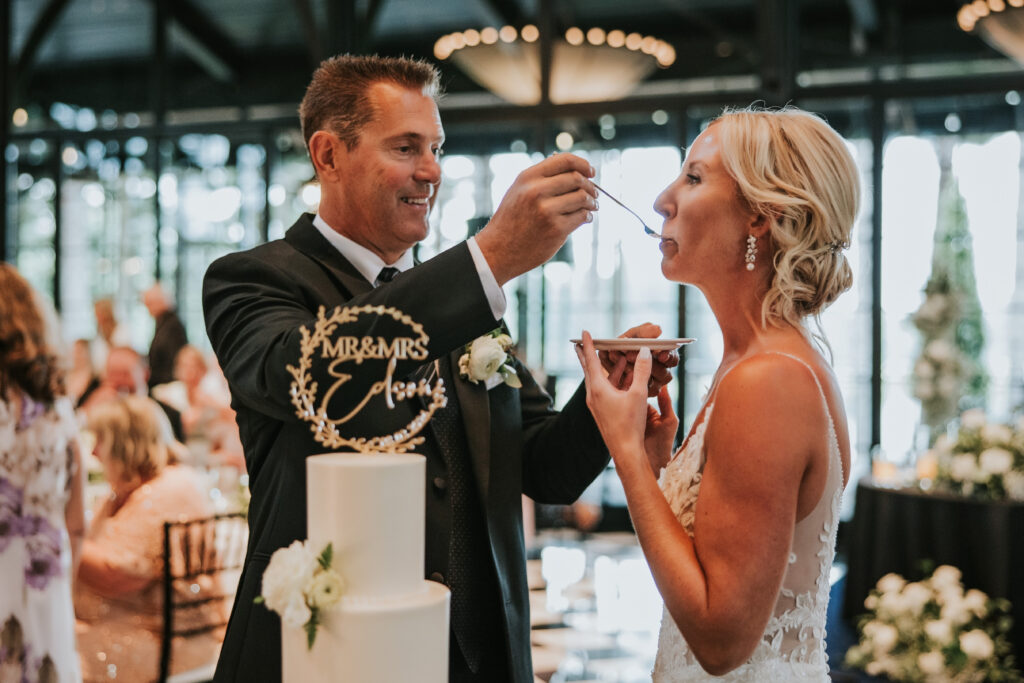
(326, 556)
(310, 626)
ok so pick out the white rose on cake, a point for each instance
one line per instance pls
(298, 584)
(288, 572)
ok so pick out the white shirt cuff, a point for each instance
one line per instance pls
(493, 291)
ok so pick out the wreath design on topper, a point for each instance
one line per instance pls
(357, 349)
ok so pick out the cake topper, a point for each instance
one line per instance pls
(347, 349)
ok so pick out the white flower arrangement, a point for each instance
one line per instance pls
(488, 359)
(298, 584)
(932, 631)
(938, 373)
(985, 460)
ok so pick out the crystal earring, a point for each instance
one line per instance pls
(751, 252)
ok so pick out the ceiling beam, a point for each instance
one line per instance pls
(314, 46)
(865, 14)
(44, 23)
(205, 41)
(372, 12)
(508, 11)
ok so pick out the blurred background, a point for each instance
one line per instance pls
(144, 138)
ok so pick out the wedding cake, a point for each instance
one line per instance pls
(391, 625)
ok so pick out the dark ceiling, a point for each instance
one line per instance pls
(105, 54)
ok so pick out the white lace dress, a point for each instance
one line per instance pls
(793, 645)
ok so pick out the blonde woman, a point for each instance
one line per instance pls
(42, 517)
(118, 596)
(738, 525)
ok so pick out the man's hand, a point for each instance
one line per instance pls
(544, 205)
(664, 361)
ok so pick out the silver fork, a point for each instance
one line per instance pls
(647, 229)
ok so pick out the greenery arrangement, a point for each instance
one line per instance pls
(948, 375)
(984, 460)
(932, 630)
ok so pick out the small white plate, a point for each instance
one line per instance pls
(635, 344)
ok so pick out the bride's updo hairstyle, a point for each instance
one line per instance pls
(794, 168)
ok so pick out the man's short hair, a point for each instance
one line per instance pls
(337, 98)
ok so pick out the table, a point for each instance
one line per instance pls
(594, 609)
(894, 529)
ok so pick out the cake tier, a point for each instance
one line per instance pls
(374, 641)
(370, 507)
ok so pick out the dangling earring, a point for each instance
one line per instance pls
(751, 252)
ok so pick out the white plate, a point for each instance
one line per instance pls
(635, 344)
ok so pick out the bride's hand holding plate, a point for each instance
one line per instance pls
(620, 354)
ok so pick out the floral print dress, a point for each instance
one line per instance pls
(37, 636)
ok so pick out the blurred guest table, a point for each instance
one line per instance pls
(594, 609)
(894, 529)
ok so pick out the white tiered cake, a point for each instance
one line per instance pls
(391, 625)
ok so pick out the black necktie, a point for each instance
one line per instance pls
(387, 274)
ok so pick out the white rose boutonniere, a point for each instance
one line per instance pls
(298, 584)
(487, 359)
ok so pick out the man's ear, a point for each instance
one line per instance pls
(324, 150)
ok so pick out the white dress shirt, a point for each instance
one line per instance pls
(369, 264)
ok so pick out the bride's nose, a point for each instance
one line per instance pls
(664, 204)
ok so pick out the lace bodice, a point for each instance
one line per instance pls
(793, 645)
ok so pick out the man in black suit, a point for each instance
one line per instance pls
(374, 135)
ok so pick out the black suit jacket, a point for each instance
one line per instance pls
(256, 301)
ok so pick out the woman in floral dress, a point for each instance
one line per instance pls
(41, 501)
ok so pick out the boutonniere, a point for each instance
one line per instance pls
(487, 359)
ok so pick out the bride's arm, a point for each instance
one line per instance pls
(720, 587)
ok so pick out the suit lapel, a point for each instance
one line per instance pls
(476, 419)
(304, 236)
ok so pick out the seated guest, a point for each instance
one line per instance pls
(125, 374)
(118, 595)
(82, 379)
(207, 419)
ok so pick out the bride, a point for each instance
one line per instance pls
(739, 524)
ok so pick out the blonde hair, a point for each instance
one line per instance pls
(193, 351)
(131, 431)
(795, 169)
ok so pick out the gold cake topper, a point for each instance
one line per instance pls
(347, 349)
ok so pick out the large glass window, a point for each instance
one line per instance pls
(950, 264)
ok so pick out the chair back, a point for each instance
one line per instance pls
(202, 559)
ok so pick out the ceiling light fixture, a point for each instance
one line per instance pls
(586, 66)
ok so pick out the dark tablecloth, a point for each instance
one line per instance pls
(894, 529)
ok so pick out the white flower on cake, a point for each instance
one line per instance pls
(298, 583)
(487, 359)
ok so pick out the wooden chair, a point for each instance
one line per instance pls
(202, 561)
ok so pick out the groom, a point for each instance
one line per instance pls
(374, 135)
